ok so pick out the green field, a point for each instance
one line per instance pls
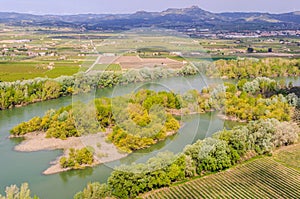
(105, 67)
(261, 178)
(12, 71)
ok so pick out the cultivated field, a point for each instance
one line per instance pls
(27, 53)
(12, 71)
(289, 156)
(135, 62)
(262, 178)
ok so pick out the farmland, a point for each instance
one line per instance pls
(41, 52)
(290, 157)
(31, 53)
(136, 62)
(12, 71)
(261, 178)
(36, 52)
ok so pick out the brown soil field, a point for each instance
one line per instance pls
(135, 62)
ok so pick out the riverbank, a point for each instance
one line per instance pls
(103, 152)
(181, 112)
(231, 118)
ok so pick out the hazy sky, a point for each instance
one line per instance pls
(130, 6)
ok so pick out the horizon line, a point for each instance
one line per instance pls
(129, 13)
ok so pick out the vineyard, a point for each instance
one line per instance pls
(262, 178)
(289, 157)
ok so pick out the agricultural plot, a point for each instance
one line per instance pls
(12, 71)
(290, 157)
(262, 178)
(35, 53)
(136, 62)
(107, 67)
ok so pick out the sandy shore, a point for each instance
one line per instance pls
(184, 112)
(104, 152)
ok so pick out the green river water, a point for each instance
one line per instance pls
(18, 167)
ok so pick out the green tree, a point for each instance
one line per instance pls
(13, 192)
(94, 191)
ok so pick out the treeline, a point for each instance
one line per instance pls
(220, 152)
(24, 92)
(13, 192)
(251, 68)
(137, 121)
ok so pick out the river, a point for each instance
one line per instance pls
(19, 167)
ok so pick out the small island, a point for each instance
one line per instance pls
(100, 131)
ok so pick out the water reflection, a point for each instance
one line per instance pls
(16, 141)
(81, 173)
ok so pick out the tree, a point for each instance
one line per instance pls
(250, 50)
(94, 191)
(51, 90)
(13, 192)
(77, 158)
(127, 181)
(214, 155)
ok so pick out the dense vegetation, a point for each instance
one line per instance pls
(251, 68)
(13, 192)
(138, 120)
(223, 150)
(94, 191)
(29, 91)
(77, 158)
(263, 178)
(57, 124)
(144, 121)
(248, 100)
(141, 119)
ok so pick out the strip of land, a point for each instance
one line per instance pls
(104, 152)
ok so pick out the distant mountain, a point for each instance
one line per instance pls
(180, 19)
(293, 17)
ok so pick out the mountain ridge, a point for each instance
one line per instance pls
(174, 18)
